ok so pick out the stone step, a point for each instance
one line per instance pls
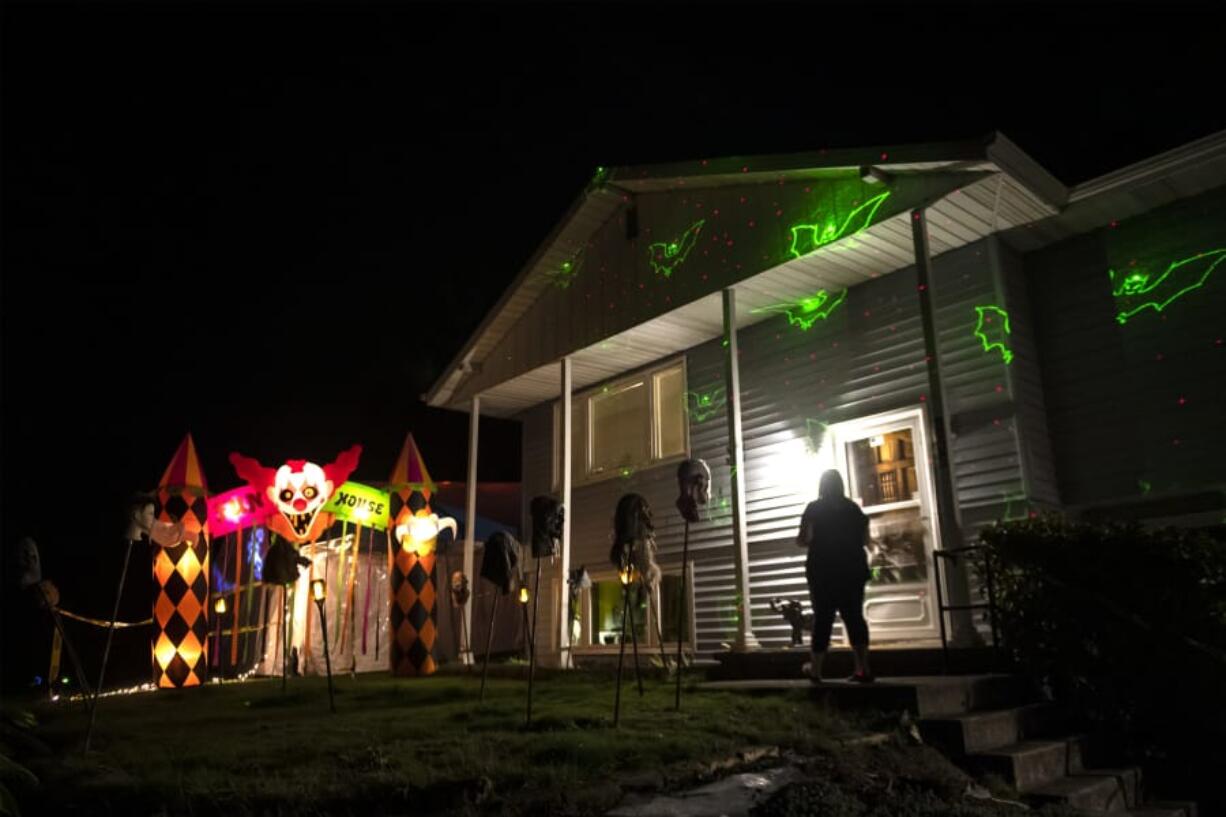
(1098, 790)
(1152, 811)
(1029, 764)
(1177, 808)
(981, 731)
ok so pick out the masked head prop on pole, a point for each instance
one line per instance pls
(693, 488)
(634, 541)
(417, 536)
(181, 573)
(547, 518)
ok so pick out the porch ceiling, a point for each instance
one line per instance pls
(991, 201)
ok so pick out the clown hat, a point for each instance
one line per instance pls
(184, 471)
(410, 470)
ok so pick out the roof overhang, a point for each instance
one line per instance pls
(992, 186)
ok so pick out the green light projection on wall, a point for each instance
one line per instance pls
(703, 405)
(1137, 289)
(666, 256)
(565, 273)
(992, 329)
(815, 433)
(808, 237)
(807, 311)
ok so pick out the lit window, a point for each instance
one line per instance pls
(603, 605)
(627, 425)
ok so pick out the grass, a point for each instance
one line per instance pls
(405, 745)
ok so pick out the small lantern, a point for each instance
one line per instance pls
(319, 593)
(319, 590)
(219, 606)
(524, 594)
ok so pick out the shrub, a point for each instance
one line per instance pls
(1124, 625)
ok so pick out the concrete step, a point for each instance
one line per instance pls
(1168, 808)
(928, 696)
(1030, 764)
(1098, 790)
(1151, 811)
(981, 731)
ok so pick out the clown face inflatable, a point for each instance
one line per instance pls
(298, 490)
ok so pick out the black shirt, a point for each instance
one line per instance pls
(834, 530)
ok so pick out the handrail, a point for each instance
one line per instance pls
(942, 608)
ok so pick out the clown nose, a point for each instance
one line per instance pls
(300, 504)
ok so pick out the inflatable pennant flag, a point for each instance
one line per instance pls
(414, 602)
(239, 508)
(181, 575)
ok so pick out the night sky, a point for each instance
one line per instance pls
(274, 227)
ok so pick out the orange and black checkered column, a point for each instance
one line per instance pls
(414, 608)
(181, 576)
(180, 614)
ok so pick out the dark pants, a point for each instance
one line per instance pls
(847, 598)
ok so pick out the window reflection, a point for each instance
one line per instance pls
(896, 547)
(883, 468)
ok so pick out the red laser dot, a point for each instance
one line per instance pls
(884, 156)
(1182, 401)
(715, 212)
(752, 223)
(1113, 224)
(923, 398)
(922, 287)
(743, 199)
(999, 388)
(745, 169)
(812, 355)
(780, 212)
(1158, 357)
(1175, 441)
(867, 313)
(728, 242)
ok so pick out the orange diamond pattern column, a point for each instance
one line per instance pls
(181, 576)
(414, 608)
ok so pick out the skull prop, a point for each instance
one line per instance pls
(298, 489)
(547, 518)
(693, 486)
(459, 589)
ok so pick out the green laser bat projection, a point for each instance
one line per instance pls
(807, 311)
(704, 405)
(666, 256)
(1137, 290)
(808, 237)
(562, 275)
(992, 329)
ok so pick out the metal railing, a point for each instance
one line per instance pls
(952, 554)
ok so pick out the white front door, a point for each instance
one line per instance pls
(884, 462)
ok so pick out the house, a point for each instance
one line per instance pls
(963, 336)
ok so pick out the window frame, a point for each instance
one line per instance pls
(581, 426)
(585, 615)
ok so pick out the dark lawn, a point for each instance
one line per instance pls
(404, 745)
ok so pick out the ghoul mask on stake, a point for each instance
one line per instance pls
(298, 490)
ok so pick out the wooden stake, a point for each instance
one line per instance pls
(489, 640)
(621, 656)
(236, 621)
(536, 598)
(685, 554)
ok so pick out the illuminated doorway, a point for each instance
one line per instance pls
(884, 461)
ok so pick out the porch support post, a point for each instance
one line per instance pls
(470, 524)
(950, 519)
(564, 655)
(745, 639)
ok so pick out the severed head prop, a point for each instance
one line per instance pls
(634, 541)
(547, 517)
(693, 488)
(500, 564)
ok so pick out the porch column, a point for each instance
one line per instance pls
(745, 639)
(470, 526)
(564, 486)
(948, 514)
